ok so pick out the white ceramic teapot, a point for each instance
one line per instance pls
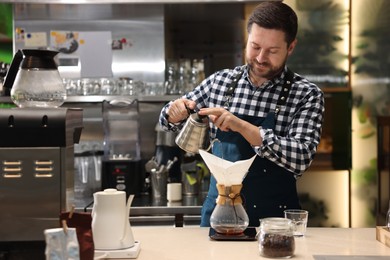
(110, 220)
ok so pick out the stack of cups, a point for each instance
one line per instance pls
(174, 193)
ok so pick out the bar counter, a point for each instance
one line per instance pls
(190, 243)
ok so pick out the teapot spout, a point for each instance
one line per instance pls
(212, 143)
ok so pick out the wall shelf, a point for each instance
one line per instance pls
(101, 98)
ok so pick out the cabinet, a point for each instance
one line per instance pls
(383, 167)
(321, 57)
(335, 149)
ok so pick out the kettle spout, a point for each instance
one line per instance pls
(212, 143)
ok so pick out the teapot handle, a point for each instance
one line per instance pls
(199, 118)
(192, 111)
(13, 70)
(128, 205)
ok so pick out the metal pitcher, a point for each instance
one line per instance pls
(195, 134)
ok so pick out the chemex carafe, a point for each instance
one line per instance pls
(34, 80)
(229, 216)
(110, 220)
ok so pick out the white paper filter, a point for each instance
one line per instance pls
(226, 172)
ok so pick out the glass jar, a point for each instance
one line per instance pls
(276, 239)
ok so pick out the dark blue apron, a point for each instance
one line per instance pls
(268, 189)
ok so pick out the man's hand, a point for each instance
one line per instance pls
(178, 110)
(223, 119)
(226, 121)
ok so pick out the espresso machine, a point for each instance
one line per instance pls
(36, 147)
(121, 164)
(36, 180)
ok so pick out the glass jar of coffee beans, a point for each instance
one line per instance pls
(276, 239)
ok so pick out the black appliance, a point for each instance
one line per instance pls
(121, 164)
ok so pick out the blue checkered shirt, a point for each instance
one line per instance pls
(293, 142)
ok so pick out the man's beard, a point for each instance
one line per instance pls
(269, 71)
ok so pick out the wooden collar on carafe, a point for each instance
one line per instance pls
(229, 193)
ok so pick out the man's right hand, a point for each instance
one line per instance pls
(178, 110)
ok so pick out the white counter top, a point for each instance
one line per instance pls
(169, 243)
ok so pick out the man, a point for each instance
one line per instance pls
(270, 111)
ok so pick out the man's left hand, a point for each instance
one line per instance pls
(222, 119)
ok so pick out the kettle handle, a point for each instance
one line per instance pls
(128, 205)
(192, 111)
(13, 71)
(199, 118)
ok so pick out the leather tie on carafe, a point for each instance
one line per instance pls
(232, 192)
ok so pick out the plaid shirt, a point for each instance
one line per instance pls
(293, 142)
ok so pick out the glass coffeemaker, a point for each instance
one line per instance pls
(229, 216)
(121, 164)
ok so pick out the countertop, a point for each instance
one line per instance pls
(191, 242)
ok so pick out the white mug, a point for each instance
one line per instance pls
(174, 191)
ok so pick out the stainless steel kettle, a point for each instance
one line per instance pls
(194, 134)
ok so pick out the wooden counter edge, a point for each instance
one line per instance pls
(383, 235)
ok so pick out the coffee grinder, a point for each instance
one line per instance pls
(121, 164)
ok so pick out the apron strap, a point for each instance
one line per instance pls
(282, 97)
(231, 88)
(285, 90)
